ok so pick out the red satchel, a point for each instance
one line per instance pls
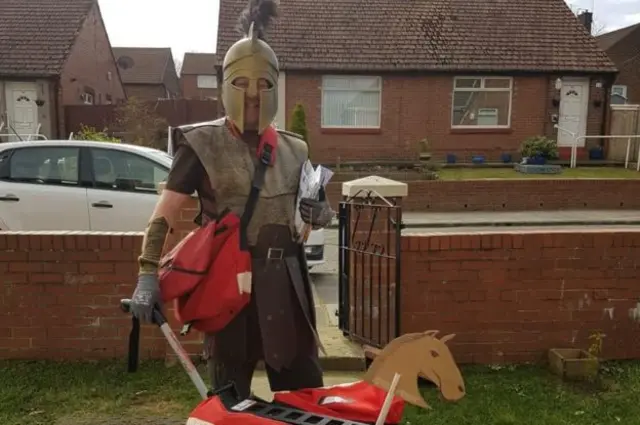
(208, 274)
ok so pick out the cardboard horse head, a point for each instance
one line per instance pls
(416, 354)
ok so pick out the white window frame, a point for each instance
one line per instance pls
(358, 127)
(482, 89)
(201, 77)
(87, 98)
(623, 89)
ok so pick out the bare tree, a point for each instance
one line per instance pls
(178, 63)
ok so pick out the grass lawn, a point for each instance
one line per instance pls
(104, 394)
(510, 173)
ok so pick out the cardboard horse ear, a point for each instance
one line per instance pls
(414, 354)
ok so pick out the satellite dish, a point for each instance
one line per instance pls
(125, 62)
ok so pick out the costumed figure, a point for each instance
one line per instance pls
(218, 161)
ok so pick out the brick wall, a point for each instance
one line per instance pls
(511, 296)
(415, 107)
(626, 55)
(61, 292)
(514, 195)
(89, 62)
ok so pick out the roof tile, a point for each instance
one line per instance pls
(199, 63)
(147, 65)
(36, 36)
(425, 35)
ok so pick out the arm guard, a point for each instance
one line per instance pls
(152, 245)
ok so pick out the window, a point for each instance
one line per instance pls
(207, 82)
(48, 165)
(481, 102)
(87, 98)
(114, 169)
(351, 102)
(619, 95)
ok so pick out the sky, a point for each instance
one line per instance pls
(192, 27)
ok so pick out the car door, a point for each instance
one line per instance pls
(124, 192)
(40, 189)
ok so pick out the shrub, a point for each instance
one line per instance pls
(539, 146)
(90, 133)
(299, 123)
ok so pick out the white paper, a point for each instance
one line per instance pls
(311, 180)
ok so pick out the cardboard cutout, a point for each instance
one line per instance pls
(410, 355)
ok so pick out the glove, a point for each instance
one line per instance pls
(316, 213)
(145, 297)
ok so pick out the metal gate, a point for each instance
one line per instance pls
(369, 268)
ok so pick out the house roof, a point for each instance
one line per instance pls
(425, 35)
(36, 36)
(608, 40)
(199, 63)
(142, 65)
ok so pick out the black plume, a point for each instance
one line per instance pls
(261, 13)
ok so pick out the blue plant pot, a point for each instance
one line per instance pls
(537, 160)
(451, 158)
(596, 153)
(506, 158)
(477, 159)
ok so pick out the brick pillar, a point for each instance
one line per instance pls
(192, 342)
(373, 210)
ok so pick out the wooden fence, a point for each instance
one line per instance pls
(176, 111)
(625, 121)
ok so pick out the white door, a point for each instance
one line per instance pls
(39, 190)
(574, 109)
(22, 111)
(125, 190)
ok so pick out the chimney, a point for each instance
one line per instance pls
(586, 18)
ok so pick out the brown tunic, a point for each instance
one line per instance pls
(279, 325)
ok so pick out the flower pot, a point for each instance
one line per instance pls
(506, 158)
(573, 363)
(477, 159)
(537, 160)
(596, 153)
(451, 158)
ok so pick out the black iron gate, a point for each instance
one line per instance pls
(369, 268)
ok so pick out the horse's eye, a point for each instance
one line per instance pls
(434, 354)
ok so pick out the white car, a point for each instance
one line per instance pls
(82, 185)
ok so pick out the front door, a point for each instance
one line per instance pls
(22, 111)
(574, 107)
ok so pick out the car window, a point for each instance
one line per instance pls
(44, 164)
(120, 170)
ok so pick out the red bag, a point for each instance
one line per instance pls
(208, 274)
(359, 402)
(212, 412)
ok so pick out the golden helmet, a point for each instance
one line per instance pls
(251, 58)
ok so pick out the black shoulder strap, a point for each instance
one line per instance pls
(256, 186)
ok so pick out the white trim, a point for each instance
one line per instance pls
(205, 81)
(357, 127)
(482, 89)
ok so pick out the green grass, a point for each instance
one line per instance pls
(103, 393)
(510, 173)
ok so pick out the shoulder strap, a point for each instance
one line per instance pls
(266, 155)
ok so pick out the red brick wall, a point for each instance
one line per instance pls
(89, 62)
(514, 195)
(416, 107)
(61, 294)
(511, 296)
(626, 55)
(190, 90)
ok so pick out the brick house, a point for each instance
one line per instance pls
(148, 73)
(623, 47)
(198, 76)
(471, 77)
(69, 63)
